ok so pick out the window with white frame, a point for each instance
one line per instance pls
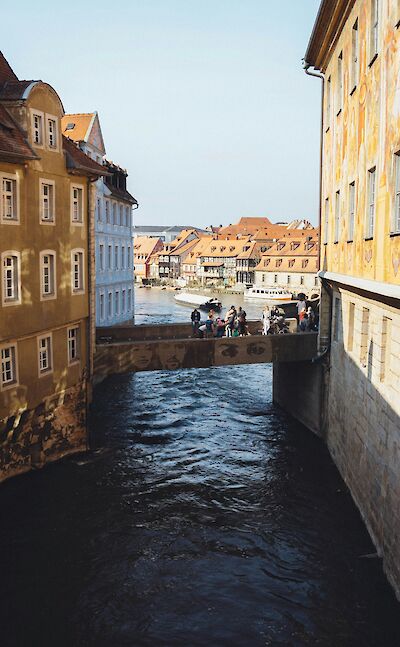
(129, 299)
(9, 375)
(74, 353)
(116, 302)
(46, 201)
(99, 213)
(101, 304)
(109, 305)
(128, 260)
(48, 274)
(37, 128)
(326, 222)
(11, 278)
(339, 85)
(9, 206)
(122, 257)
(354, 57)
(352, 209)
(123, 305)
(127, 218)
(101, 256)
(77, 271)
(337, 217)
(77, 204)
(52, 132)
(370, 222)
(109, 257)
(107, 212)
(116, 257)
(374, 34)
(45, 354)
(114, 208)
(121, 215)
(396, 217)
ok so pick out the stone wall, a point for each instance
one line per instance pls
(50, 431)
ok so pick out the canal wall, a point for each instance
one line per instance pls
(53, 429)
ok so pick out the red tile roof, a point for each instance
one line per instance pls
(6, 72)
(80, 163)
(13, 145)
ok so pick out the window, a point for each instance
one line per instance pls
(354, 58)
(336, 320)
(47, 274)
(316, 281)
(123, 306)
(116, 302)
(129, 299)
(114, 208)
(275, 278)
(328, 103)
(77, 271)
(127, 219)
(109, 305)
(121, 215)
(339, 83)
(101, 257)
(77, 204)
(350, 332)
(337, 217)
(8, 206)
(374, 30)
(109, 257)
(45, 355)
(369, 229)
(52, 132)
(364, 336)
(37, 128)
(11, 278)
(9, 377)
(99, 214)
(352, 202)
(116, 257)
(46, 201)
(288, 279)
(107, 212)
(396, 219)
(74, 353)
(385, 349)
(122, 257)
(128, 264)
(101, 301)
(301, 280)
(326, 222)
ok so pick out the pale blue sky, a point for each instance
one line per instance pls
(204, 102)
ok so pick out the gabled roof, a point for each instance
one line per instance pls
(80, 164)
(81, 123)
(253, 250)
(288, 264)
(184, 249)
(145, 245)
(224, 248)
(14, 147)
(6, 71)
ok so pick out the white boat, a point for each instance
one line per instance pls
(198, 300)
(267, 294)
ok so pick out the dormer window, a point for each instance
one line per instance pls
(231, 248)
(266, 262)
(291, 262)
(278, 262)
(70, 126)
(222, 248)
(304, 262)
(213, 248)
(52, 132)
(37, 128)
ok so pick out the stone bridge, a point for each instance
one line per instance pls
(124, 349)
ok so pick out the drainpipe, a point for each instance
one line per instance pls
(91, 308)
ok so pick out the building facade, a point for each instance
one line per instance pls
(291, 263)
(355, 46)
(46, 298)
(113, 225)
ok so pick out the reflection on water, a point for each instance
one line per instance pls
(204, 518)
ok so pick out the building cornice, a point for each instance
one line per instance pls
(377, 288)
(328, 26)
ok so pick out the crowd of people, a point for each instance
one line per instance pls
(234, 324)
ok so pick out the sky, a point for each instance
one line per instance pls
(204, 102)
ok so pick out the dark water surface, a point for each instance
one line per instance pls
(205, 518)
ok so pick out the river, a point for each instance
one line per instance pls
(204, 518)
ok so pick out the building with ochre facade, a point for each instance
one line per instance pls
(355, 48)
(46, 233)
(113, 224)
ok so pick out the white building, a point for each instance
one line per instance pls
(113, 225)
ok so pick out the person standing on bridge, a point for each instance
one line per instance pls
(195, 317)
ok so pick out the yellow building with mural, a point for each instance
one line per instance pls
(355, 48)
(46, 224)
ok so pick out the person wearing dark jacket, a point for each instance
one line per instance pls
(195, 317)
